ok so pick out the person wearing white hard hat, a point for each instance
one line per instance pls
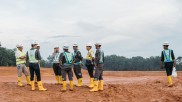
(20, 62)
(77, 64)
(33, 57)
(169, 62)
(90, 64)
(99, 68)
(38, 46)
(56, 66)
(66, 64)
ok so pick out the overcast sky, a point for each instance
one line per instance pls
(124, 27)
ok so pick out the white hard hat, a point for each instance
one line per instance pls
(97, 43)
(66, 46)
(56, 46)
(88, 44)
(166, 43)
(19, 45)
(34, 43)
(75, 44)
(38, 44)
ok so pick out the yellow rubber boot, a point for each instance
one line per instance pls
(41, 88)
(95, 87)
(170, 81)
(57, 80)
(20, 82)
(64, 86)
(71, 85)
(33, 85)
(28, 80)
(101, 85)
(79, 82)
(91, 83)
(60, 80)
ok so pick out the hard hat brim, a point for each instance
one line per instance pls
(19, 46)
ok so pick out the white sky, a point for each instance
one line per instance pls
(125, 27)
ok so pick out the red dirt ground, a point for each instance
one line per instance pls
(119, 87)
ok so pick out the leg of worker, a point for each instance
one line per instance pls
(37, 71)
(19, 71)
(25, 71)
(79, 73)
(56, 73)
(31, 68)
(63, 73)
(101, 84)
(96, 78)
(70, 76)
(76, 71)
(59, 74)
(35, 78)
(169, 67)
(90, 69)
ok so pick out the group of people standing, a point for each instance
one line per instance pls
(63, 63)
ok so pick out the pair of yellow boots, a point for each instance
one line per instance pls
(40, 86)
(20, 81)
(71, 84)
(31, 83)
(59, 80)
(64, 86)
(96, 86)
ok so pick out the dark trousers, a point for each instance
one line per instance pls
(57, 69)
(99, 72)
(34, 68)
(67, 71)
(90, 69)
(77, 71)
(169, 68)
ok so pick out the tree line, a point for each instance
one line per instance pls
(112, 62)
(120, 63)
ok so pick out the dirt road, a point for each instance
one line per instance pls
(120, 87)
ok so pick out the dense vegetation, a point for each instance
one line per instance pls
(112, 62)
(7, 57)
